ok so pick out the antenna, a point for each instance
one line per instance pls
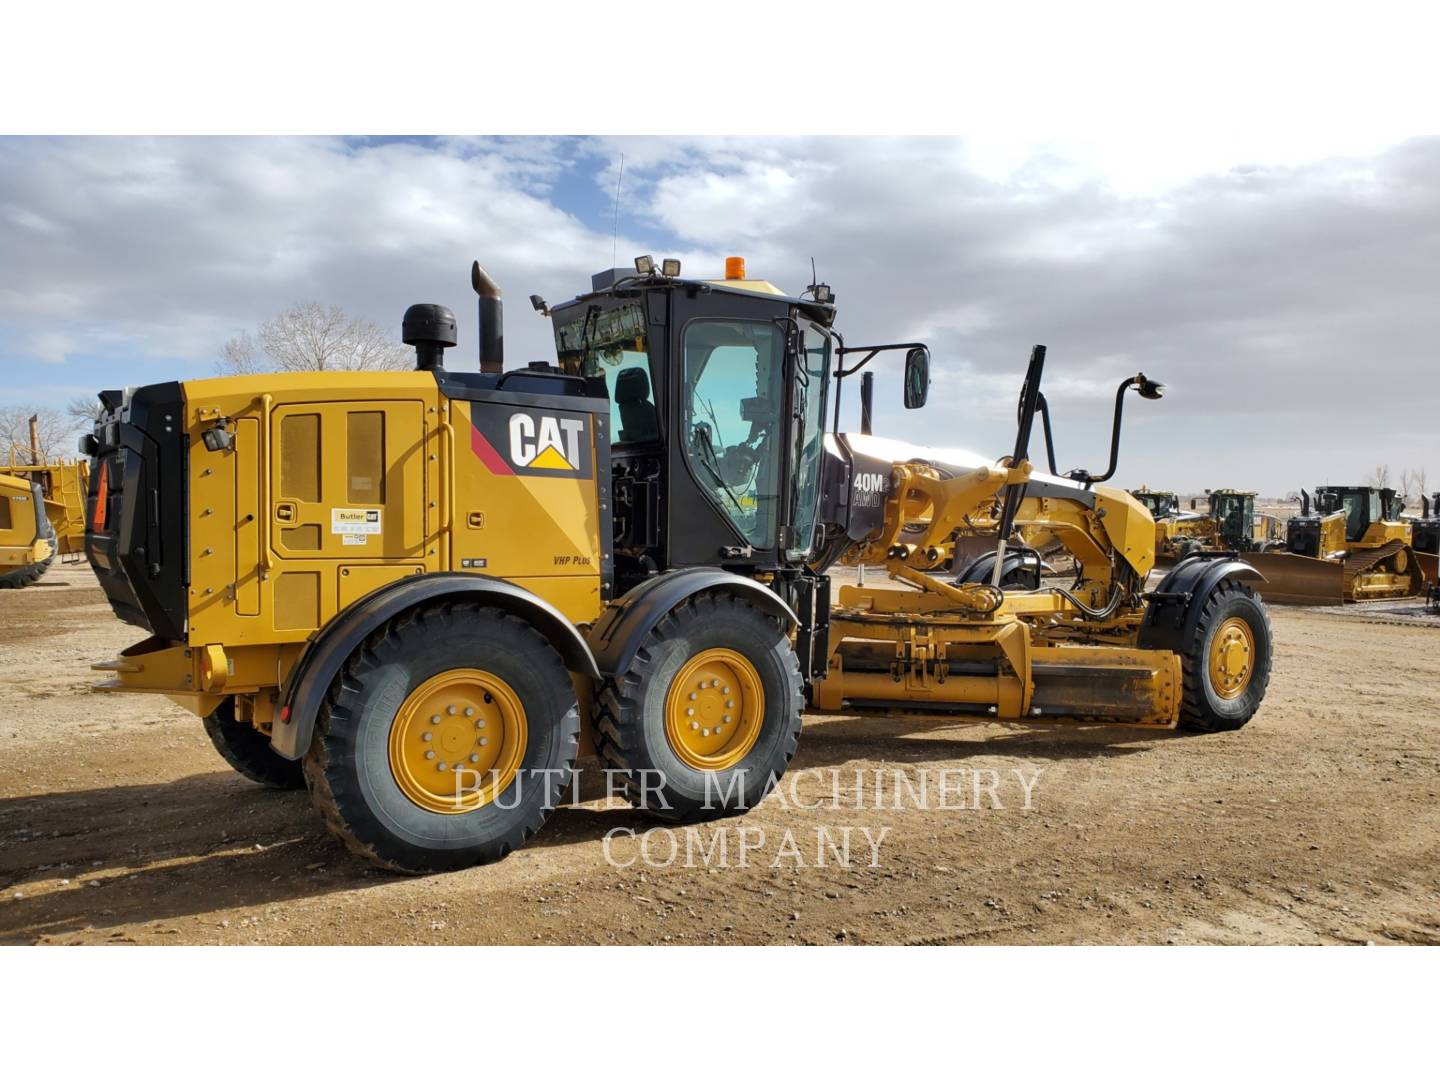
(615, 238)
(814, 278)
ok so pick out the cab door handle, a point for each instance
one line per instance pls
(286, 511)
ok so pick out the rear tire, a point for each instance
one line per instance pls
(1226, 662)
(248, 751)
(382, 800)
(22, 576)
(682, 776)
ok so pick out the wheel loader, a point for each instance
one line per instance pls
(63, 485)
(422, 595)
(1347, 546)
(27, 540)
(1229, 523)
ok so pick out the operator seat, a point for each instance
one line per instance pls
(638, 422)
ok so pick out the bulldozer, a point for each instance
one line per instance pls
(63, 486)
(424, 595)
(1177, 532)
(27, 539)
(1347, 545)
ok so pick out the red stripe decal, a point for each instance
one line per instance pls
(488, 454)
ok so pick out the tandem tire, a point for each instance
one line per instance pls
(707, 718)
(446, 741)
(248, 751)
(1226, 662)
(22, 576)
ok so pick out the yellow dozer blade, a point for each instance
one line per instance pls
(1392, 572)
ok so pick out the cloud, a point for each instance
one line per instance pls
(1287, 302)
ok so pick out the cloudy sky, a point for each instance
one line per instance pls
(1285, 290)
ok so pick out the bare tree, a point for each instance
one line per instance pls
(314, 337)
(54, 434)
(1379, 477)
(84, 410)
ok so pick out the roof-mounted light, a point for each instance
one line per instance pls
(670, 268)
(823, 294)
(644, 265)
(734, 268)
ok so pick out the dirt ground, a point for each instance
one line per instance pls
(1319, 822)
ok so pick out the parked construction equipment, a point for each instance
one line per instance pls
(27, 541)
(1348, 546)
(63, 485)
(424, 594)
(1425, 532)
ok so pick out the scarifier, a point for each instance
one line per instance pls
(422, 595)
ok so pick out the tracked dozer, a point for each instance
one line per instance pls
(422, 595)
(27, 540)
(1347, 546)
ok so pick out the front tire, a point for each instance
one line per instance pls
(446, 741)
(248, 751)
(708, 716)
(1226, 662)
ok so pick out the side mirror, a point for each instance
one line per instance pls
(917, 377)
(1192, 504)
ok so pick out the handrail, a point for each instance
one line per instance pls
(266, 401)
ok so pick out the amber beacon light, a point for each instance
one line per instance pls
(734, 268)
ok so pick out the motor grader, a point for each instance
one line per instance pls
(422, 595)
(1348, 546)
(27, 540)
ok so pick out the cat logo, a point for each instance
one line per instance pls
(545, 442)
(533, 442)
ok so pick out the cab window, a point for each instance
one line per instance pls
(733, 398)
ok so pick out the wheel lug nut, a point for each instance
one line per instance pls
(727, 719)
(434, 719)
(479, 723)
(428, 736)
(469, 711)
(689, 712)
(694, 726)
(729, 704)
(693, 696)
(484, 742)
(442, 766)
(452, 710)
(706, 733)
(429, 754)
(726, 690)
(474, 757)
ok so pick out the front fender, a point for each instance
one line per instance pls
(1174, 609)
(328, 651)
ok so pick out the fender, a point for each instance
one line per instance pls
(1174, 608)
(982, 568)
(327, 652)
(617, 634)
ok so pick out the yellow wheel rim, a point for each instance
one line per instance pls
(1232, 658)
(714, 710)
(457, 741)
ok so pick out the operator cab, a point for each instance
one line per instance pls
(718, 395)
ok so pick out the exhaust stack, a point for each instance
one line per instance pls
(492, 321)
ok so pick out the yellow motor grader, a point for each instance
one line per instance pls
(1348, 546)
(27, 540)
(422, 595)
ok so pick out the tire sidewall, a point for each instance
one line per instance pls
(1240, 603)
(761, 641)
(532, 670)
